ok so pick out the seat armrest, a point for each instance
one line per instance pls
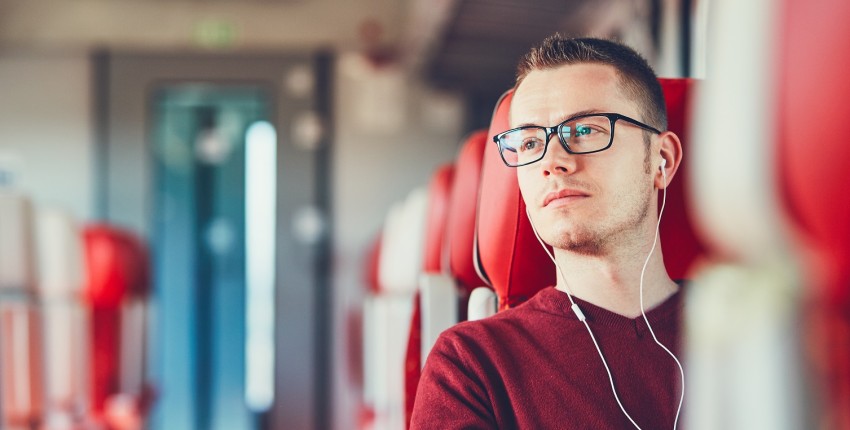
(482, 303)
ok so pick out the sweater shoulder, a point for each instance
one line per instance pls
(510, 327)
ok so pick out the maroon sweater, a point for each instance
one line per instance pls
(535, 367)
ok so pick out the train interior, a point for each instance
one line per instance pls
(261, 214)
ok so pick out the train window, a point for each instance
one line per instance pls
(260, 216)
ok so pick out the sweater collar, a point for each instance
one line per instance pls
(554, 301)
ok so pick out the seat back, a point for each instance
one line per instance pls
(21, 357)
(463, 208)
(433, 265)
(134, 334)
(509, 256)
(445, 289)
(813, 172)
(386, 313)
(60, 250)
(403, 246)
(436, 222)
(678, 233)
(358, 337)
(115, 267)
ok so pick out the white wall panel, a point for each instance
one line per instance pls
(46, 129)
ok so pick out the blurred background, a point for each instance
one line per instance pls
(192, 187)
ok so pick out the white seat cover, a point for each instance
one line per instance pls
(439, 300)
(20, 336)
(387, 314)
(60, 251)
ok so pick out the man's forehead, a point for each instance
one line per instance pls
(560, 92)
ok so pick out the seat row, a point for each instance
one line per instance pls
(72, 321)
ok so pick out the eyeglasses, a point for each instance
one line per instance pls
(582, 134)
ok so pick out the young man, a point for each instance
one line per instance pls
(590, 152)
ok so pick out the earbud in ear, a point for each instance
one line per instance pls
(663, 163)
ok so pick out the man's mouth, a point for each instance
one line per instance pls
(564, 196)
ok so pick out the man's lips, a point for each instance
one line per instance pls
(563, 195)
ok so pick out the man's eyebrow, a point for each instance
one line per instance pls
(563, 118)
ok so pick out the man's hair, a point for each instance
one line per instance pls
(637, 80)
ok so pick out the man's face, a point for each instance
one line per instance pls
(590, 202)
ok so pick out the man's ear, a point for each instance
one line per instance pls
(670, 151)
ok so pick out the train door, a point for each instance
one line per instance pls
(199, 146)
(221, 161)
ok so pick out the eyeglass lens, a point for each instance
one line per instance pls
(582, 135)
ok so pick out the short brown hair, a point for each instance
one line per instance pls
(637, 78)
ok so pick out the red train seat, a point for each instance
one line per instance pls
(438, 201)
(508, 254)
(445, 290)
(116, 270)
(814, 173)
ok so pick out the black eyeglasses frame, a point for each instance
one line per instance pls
(556, 129)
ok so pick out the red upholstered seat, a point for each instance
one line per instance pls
(679, 240)
(462, 212)
(508, 253)
(439, 191)
(116, 266)
(372, 260)
(814, 174)
(435, 227)
(453, 255)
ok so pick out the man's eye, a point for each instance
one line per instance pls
(583, 130)
(529, 145)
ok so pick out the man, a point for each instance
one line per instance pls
(590, 154)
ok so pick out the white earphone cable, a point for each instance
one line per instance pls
(582, 318)
(643, 311)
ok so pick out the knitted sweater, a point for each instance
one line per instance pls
(535, 367)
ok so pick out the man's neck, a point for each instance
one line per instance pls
(612, 281)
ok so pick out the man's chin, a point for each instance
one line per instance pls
(573, 239)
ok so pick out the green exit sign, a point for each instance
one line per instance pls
(214, 33)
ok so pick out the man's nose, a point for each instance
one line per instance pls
(557, 160)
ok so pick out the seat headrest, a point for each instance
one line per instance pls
(462, 209)
(17, 250)
(403, 244)
(439, 191)
(116, 265)
(60, 254)
(678, 235)
(509, 255)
